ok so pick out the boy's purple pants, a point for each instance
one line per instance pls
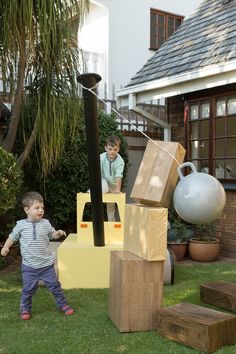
(31, 277)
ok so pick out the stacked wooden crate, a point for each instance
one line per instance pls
(136, 274)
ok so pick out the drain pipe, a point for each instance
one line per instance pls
(91, 124)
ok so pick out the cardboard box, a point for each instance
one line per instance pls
(113, 230)
(146, 231)
(157, 175)
(80, 264)
(136, 292)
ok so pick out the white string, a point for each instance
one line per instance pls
(134, 126)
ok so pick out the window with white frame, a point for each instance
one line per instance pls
(211, 136)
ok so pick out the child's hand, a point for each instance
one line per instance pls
(4, 251)
(57, 234)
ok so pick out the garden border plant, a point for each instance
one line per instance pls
(71, 173)
(10, 181)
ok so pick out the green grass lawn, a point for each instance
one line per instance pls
(90, 330)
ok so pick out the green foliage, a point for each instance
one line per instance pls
(10, 181)
(178, 232)
(71, 174)
(39, 62)
(205, 232)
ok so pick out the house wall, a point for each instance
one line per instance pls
(226, 223)
(119, 33)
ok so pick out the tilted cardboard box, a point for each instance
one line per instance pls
(157, 175)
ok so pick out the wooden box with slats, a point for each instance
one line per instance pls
(196, 326)
(135, 293)
(219, 293)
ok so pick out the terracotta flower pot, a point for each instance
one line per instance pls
(204, 251)
(179, 249)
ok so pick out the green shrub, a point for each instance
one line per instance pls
(10, 181)
(71, 175)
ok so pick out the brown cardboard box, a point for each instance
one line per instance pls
(157, 175)
(136, 292)
(146, 231)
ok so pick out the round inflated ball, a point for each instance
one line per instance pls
(198, 198)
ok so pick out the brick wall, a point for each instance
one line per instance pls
(226, 226)
(226, 223)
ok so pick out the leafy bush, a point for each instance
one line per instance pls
(71, 175)
(10, 181)
(205, 232)
(178, 232)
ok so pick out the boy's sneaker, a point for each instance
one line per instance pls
(67, 310)
(25, 315)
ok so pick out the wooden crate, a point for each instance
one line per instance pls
(219, 293)
(135, 294)
(196, 326)
(146, 231)
(157, 175)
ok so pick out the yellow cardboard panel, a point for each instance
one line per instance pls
(113, 231)
(83, 265)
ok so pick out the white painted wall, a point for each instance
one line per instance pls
(118, 33)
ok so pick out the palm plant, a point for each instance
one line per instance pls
(39, 64)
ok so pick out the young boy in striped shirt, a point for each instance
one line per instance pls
(34, 234)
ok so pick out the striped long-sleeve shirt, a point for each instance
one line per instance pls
(34, 240)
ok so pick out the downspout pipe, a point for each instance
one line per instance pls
(91, 125)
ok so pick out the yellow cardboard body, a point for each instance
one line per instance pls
(83, 265)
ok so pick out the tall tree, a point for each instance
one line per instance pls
(38, 65)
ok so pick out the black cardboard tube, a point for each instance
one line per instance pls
(91, 124)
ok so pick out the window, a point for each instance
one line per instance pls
(163, 24)
(211, 135)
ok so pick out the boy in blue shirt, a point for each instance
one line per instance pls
(112, 168)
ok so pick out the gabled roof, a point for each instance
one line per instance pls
(205, 44)
(207, 37)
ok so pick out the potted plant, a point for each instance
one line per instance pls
(204, 246)
(177, 238)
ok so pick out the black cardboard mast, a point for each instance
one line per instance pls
(91, 124)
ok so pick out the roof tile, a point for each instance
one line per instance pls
(207, 37)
